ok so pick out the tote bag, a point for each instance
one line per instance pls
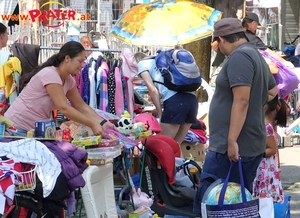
(246, 209)
(283, 210)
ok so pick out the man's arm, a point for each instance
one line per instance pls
(241, 96)
(272, 93)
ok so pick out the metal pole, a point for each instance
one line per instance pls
(99, 14)
(87, 49)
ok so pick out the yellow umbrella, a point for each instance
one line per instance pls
(166, 23)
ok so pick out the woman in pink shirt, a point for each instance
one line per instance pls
(48, 87)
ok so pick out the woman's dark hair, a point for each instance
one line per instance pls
(71, 48)
(281, 116)
(271, 105)
(3, 28)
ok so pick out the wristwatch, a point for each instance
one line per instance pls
(103, 122)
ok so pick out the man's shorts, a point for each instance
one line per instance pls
(180, 108)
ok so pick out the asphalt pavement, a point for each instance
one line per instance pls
(290, 176)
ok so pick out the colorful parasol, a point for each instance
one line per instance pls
(166, 23)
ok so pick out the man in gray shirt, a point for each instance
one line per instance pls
(236, 115)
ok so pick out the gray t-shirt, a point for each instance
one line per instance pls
(244, 67)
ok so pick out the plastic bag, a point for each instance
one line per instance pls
(286, 80)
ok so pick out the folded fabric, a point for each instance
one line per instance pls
(191, 137)
(201, 134)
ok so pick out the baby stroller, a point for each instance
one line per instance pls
(171, 199)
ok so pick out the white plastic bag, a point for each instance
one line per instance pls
(266, 207)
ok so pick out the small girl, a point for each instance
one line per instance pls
(267, 182)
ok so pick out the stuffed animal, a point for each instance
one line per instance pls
(125, 123)
(141, 199)
(125, 114)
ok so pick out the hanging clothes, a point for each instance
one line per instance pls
(129, 70)
(92, 72)
(112, 87)
(119, 94)
(10, 72)
(102, 86)
(86, 84)
(22, 51)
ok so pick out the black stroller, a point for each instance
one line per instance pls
(167, 199)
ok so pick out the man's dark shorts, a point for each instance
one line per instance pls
(216, 165)
(180, 108)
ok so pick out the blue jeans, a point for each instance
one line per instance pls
(217, 165)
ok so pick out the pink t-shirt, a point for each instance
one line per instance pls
(34, 103)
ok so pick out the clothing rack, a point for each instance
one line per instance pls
(87, 49)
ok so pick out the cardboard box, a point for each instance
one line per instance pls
(100, 153)
(107, 143)
(194, 150)
(102, 161)
(87, 141)
(140, 213)
(45, 129)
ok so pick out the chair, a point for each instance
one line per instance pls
(98, 194)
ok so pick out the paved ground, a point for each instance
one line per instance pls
(290, 176)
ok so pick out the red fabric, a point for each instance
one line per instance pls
(7, 181)
(174, 145)
(201, 134)
(164, 153)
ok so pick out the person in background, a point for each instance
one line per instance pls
(3, 36)
(86, 43)
(267, 181)
(251, 23)
(4, 54)
(236, 115)
(179, 109)
(239, 13)
(48, 87)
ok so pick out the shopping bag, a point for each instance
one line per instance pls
(286, 80)
(245, 209)
(266, 207)
(282, 210)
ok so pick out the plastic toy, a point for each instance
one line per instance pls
(141, 199)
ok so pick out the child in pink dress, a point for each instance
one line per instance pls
(267, 182)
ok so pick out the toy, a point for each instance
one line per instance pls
(141, 199)
(149, 120)
(125, 123)
(125, 114)
(139, 126)
(66, 135)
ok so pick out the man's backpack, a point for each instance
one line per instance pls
(179, 70)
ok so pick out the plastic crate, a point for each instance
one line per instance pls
(27, 179)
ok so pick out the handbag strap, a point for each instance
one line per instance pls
(242, 183)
